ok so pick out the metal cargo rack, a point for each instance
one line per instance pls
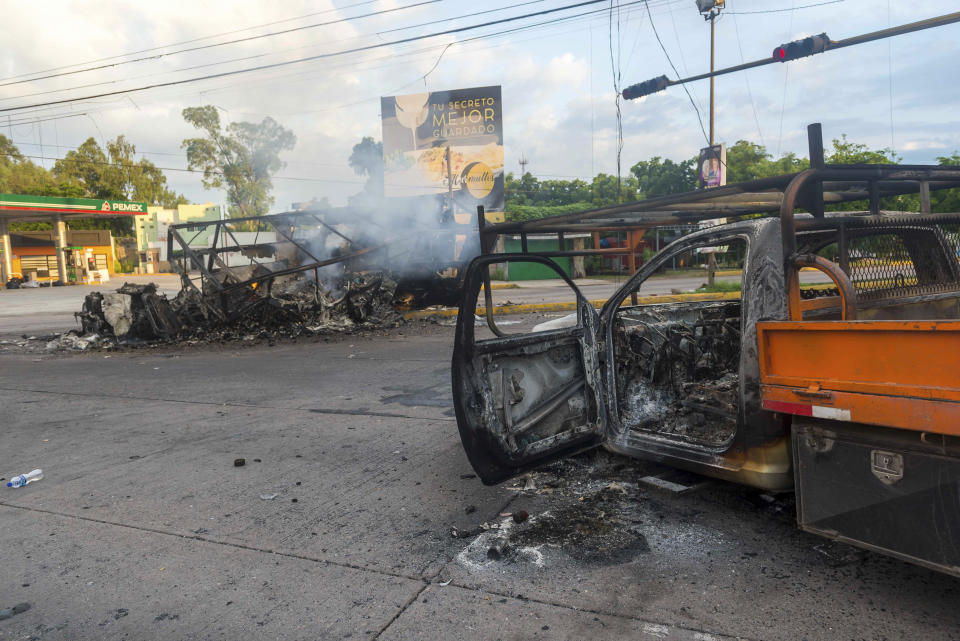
(811, 190)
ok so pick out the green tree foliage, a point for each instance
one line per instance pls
(240, 158)
(659, 177)
(20, 175)
(748, 161)
(845, 152)
(366, 159)
(529, 197)
(88, 172)
(115, 174)
(947, 200)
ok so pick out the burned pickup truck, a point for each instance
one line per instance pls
(690, 385)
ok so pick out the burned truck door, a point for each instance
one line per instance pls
(530, 397)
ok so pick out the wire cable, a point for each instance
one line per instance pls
(221, 44)
(786, 75)
(746, 77)
(806, 6)
(31, 116)
(308, 58)
(186, 42)
(672, 66)
(890, 80)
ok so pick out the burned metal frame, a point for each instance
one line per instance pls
(811, 190)
(371, 238)
(180, 248)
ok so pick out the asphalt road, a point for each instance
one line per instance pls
(43, 310)
(143, 528)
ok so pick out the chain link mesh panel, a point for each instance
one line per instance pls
(903, 261)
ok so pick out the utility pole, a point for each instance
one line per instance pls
(712, 49)
(710, 9)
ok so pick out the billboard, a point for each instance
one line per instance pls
(713, 173)
(446, 143)
(713, 166)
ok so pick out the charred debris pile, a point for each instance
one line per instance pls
(279, 276)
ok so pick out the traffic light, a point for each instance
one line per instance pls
(646, 88)
(802, 48)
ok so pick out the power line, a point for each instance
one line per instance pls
(217, 173)
(746, 77)
(185, 42)
(786, 74)
(806, 6)
(309, 58)
(193, 171)
(890, 79)
(220, 44)
(829, 45)
(241, 59)
(26, 117)
(667, 55)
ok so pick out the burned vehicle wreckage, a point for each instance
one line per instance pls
(685, 383)
(286, 274)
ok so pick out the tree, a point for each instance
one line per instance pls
(845, 153)
(748, 161)
(946, 200)
(656, 177)
(604, 190)
(241, 158)
(366, 159)
(115, 174)
(9, 154)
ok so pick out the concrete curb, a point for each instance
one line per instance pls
(527, 308)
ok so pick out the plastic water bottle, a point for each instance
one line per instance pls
(23, 479)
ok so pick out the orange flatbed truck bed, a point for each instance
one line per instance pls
(898, 374)
(874, 412)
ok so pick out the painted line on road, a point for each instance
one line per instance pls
(312, 410)
(526, 308)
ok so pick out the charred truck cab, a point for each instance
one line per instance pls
(702, 384)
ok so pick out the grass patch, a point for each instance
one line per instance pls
(718, 287)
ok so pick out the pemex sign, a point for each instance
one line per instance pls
(91, 207)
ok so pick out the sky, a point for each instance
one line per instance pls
(558, 79)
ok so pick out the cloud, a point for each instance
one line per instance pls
(558, 100)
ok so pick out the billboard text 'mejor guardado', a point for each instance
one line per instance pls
(446, 142)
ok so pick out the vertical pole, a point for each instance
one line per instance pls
(924, 197)
(713, 15)
(450, 183)
(60, 242)
(7, 263)
(843, 250)
(815, 146)
(631, 264)
(874, 191)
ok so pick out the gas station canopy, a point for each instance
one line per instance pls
(27, 208)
